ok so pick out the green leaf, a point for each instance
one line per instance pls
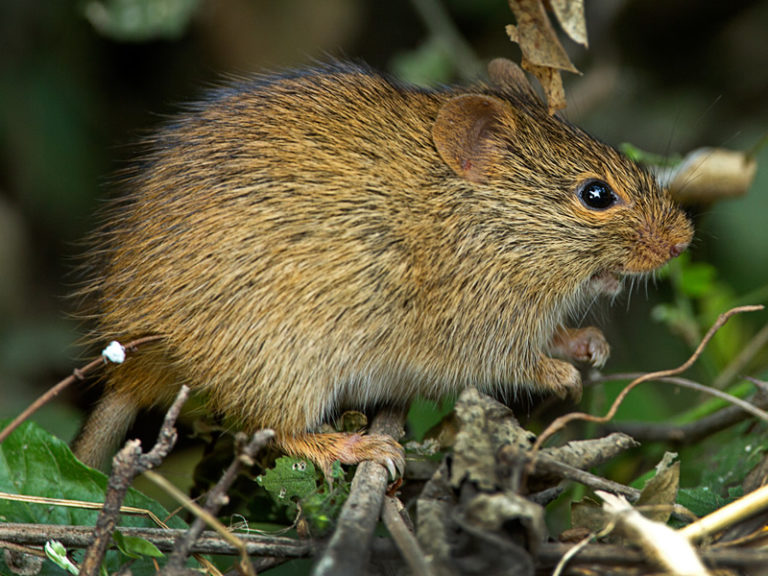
(700, 500)
(724, 470)
(135, 547)
(291, 478)
(34, 463)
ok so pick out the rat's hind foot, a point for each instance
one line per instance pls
(348, 448)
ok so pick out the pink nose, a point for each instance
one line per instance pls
(678, 249)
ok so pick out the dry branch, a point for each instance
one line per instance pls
(127, 464)
(350, 546)
(404, 537)
(73, 537)
(217, 498)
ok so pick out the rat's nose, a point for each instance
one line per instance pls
(678, 249)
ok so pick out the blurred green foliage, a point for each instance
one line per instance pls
(140, 20)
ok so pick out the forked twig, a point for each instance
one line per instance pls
(216, 499)
(126, 464)
(562, 421)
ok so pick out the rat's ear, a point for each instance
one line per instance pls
(462, 134)
(510, 78)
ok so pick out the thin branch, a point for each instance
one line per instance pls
(77, 374)
(209, 542)
(123, 466)
(544, 464)
(18, 548)
(561, 422)
(685, 383)
(349, 548)
(690, 432)
(190, 505)
(404, 539)
(217, 498)
(128, 463)
(549, 553)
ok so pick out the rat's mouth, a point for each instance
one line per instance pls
(606, 282)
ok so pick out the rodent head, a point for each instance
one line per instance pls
(598, 214)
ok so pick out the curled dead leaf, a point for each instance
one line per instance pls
(709, 174)
(570, 15)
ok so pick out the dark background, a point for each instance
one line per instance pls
(667, 77)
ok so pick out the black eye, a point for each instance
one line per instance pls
(597, 195)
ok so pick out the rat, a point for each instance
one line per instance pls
(332, 237)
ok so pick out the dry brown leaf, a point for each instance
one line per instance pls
(538, 40)
(660, 492)
(543, 54)
(552, 82)
(588, 515)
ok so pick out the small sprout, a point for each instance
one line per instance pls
(58, 555)
(114, 352)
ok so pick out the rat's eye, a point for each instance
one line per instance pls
(597, 195)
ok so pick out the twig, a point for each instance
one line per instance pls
(350, 545)
(194, 508)
(549, 553)
(685, 383)
(566, 558)
(404, 538)
(77, 374)
(164, 538)
(686, 434)
(544, 464)
(561, 422)
(125, 466)
(14, 547)
(81, 504)
(217, 498)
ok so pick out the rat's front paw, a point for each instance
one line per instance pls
(559, 377)
(582, 345)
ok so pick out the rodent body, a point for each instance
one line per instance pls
(334, 238)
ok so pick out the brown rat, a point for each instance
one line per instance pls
(332, 237)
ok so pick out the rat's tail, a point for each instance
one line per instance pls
(105, 429)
